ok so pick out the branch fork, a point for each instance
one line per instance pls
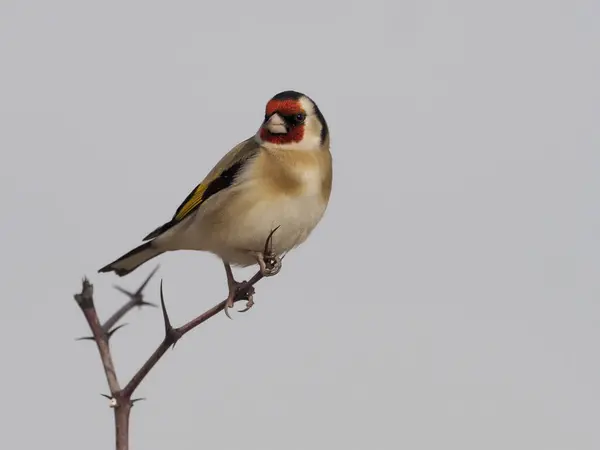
(120, 399)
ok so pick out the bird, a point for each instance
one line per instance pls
(273, 187)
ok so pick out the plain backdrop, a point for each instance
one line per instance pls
(449, 299)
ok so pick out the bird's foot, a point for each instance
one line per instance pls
(269, 264)
(238, 291)
(268, 261)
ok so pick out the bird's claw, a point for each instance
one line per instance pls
(249, 304)
(228, 306)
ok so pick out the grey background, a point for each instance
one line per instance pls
(449, 298)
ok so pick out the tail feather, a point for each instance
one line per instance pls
(133, 259)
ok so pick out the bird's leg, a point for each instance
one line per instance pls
(234, 287)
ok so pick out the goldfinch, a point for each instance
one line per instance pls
(279, 179)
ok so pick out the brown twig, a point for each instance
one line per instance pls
(85, 300)
(135, 299)
(121, 399)
(172, 335)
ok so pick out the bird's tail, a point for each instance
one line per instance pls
(132, 260)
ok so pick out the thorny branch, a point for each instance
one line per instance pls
(121, 398)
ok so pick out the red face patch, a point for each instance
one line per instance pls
(285, 108)
(295, 134)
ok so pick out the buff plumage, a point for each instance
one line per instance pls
(280, 178)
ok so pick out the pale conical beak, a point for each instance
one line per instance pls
(276, 125)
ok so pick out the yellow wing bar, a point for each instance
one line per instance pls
(220, 177)
(192, 200)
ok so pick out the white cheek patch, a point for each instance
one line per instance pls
(312, 128)
(309, 142)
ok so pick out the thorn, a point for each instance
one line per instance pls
(123, 290)
(145, 303)
(168, 326)
(110, 333)
(146, 281)
(112, 402)
(170, 332)
(135, 400)
(138, 296)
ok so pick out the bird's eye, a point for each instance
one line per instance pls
(300, 117)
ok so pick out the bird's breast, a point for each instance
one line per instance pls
(273, 191)
(293, 173)
(282, 190)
